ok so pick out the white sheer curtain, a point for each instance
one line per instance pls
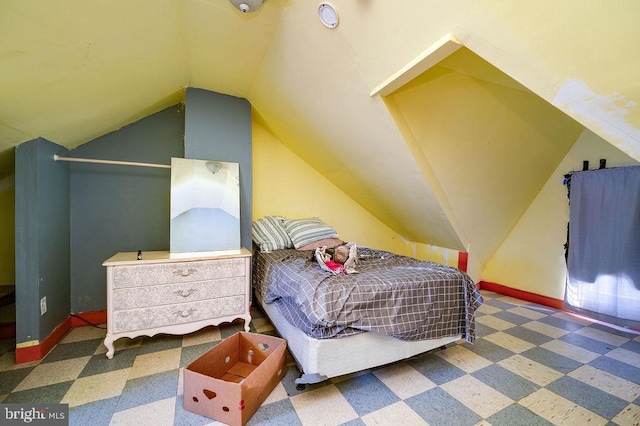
(603, 261)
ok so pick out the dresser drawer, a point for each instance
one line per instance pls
(169, 315)
(170, 294)
(177, 272)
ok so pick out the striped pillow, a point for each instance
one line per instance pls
(269, 234)
(307, 231)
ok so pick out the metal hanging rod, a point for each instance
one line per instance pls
(122, 163)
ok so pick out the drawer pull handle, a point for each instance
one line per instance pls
(185, 272)
(185, 293)
(185, 314)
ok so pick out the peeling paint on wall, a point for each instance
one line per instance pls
(603, 114)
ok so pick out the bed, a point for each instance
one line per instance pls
(392, 308)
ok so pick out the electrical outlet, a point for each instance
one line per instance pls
(43, 305)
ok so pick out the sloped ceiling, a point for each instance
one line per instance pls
(452, 158)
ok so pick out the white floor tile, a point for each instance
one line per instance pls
(395, 414)
(488, 309)
(323, 406)
(510, 342)
(602, 336)
(162, 412)
(53, 372)
(479, 397)
(570, 351)
(464, 359)
(404, 380)
(630, 416)
(530, 370)
(559, 410)
(94, 388)
(626, 356)
(546, 329)
(527, 313)
(495, 323)
(156, 362)
(607, 382)
(278, 394)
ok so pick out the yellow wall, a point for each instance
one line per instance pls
(489, 142)
(531, 258)
(435, 254)
(283, 184)
(7, 231)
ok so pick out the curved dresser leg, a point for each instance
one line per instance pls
(108, 342)
(247, 322)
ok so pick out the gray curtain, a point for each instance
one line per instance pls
(603, 259)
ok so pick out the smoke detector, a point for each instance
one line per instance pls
(247, 6)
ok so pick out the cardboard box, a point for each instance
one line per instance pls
(231, 381)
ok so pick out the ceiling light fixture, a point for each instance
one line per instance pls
(247, 6)
(328, 15)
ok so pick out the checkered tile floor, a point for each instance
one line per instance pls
(531, 365)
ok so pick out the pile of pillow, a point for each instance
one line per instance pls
(277, 232)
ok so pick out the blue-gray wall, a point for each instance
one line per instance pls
(71, 217)
(42, 238)
(218, 127)
(118, 208)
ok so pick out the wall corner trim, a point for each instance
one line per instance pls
(522, 295)
(39, 351)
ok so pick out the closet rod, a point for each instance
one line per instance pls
(122, 163)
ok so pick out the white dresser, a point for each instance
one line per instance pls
(160, 294)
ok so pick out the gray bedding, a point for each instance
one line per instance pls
(391, 294)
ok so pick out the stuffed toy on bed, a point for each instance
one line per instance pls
(343, 261)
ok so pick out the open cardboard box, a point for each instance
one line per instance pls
(231, 381)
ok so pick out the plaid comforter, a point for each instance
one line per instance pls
(391, 294)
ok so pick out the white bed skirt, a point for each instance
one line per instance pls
(321, 359)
